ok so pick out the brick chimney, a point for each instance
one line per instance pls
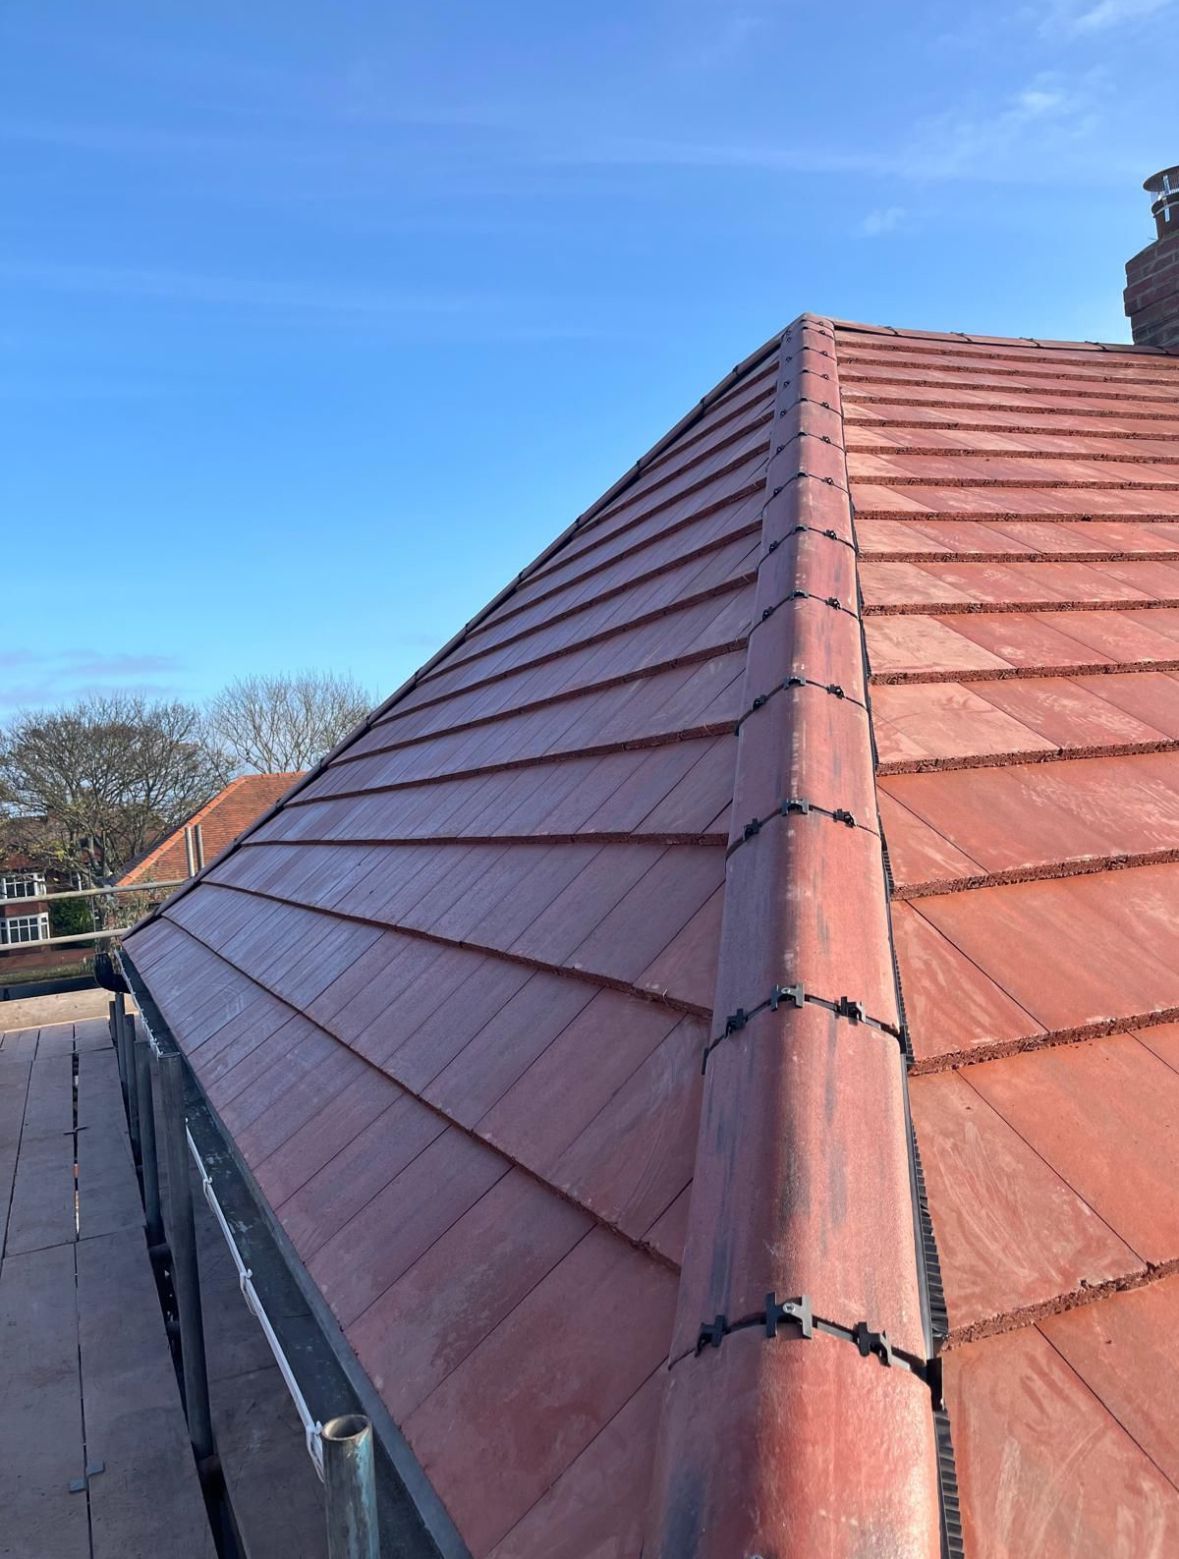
(1152, 276)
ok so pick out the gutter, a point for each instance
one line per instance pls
(312, 1427)
(321, 1372)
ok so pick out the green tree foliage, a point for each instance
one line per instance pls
(70, 917)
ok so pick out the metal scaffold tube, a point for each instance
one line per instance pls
(350, 1488)
(119, 1035)
(182, 1242)
(147, 1144)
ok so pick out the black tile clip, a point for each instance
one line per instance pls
(795, 996)
(734, 1023)
(799, 1312)
(792, 805)
(795, 805)
(806, 400)
(712, 1334)
(870, 1342)
(829, 533)
(802, 433)
(794, 680)
(796, 1310)
(832, 601)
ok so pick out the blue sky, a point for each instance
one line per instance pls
(318, 321)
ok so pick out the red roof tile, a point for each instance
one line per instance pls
(557, 1013)
(1026, 721)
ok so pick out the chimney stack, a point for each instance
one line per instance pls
(1152, 276)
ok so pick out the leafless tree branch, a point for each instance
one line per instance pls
(97, 782)
(279, 724)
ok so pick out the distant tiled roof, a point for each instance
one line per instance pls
(221, 820)
(573, 1021)
(19, 841)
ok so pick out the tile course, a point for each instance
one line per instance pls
(1051, 1171)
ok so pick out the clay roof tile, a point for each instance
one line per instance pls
(800, 831)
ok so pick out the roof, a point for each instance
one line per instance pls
(228, 814)
(1016, 506)
(19, 840)
(796, 836)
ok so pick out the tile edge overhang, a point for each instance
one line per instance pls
(806, 1216)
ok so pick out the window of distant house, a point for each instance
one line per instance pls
(24, 928)
(22, 885)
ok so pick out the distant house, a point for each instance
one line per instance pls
(209, 830)
(24, 914)
(25, 883)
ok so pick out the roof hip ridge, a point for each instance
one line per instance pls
(806, 1181)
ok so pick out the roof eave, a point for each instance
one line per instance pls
(413, 1518)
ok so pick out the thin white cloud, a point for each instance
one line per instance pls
(1092, 16)
(50, 692)
(64, 675)
(1029, 138)
(715, 34)
(473, 318)
(487, 151)
(885, 219)
(149, 141)
(758, 156)
(233, 291)
(104, 663)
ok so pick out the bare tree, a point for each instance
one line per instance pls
(104, 778)
(276, 725)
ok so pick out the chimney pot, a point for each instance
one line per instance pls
(1152, 276)
(1164, 186)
